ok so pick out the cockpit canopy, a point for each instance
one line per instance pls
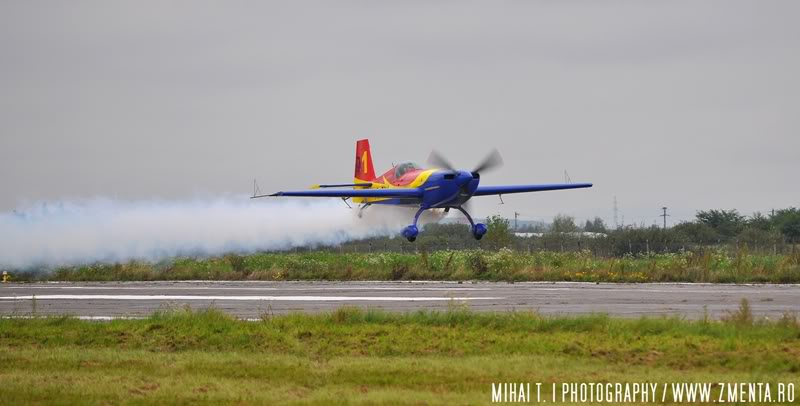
(405, 167)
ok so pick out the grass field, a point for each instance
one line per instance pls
(502, 265)
(360, 356)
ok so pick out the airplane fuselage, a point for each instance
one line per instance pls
(443, 188)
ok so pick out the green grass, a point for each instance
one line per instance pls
(502, 265)
(374, 357)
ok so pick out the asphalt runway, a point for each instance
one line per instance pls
(253, 299)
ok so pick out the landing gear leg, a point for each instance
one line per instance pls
(361, 209)
(478, 230)
(411, 232)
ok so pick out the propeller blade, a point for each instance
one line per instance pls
(492, 161)
(437, 159)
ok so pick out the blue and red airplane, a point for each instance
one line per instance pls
(408, 184)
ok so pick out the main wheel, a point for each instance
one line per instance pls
(410, 233)
(479, 230)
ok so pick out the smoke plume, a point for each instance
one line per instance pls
(102, 230)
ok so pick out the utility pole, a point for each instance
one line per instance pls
(616, 212)
(664, 209)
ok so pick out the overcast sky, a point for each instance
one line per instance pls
(690, 105)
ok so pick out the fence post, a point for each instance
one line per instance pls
(647, 243)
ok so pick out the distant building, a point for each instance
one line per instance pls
(577, 234)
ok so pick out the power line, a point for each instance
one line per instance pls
(665, 215)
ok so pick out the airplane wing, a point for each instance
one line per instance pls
(389, 193)
(504, 190)
(368, 184)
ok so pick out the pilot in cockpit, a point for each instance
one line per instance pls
(405, 167)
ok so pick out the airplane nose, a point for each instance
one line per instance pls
(464, 177)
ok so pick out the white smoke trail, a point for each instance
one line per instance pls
(102, 230)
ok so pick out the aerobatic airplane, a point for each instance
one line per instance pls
(409, 184)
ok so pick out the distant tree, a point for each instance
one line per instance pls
(595, 226)
(757, 237)
(694, 232)
(563, 224)
(759, 221)
(500, 233)
(446, 229)
(787, 221)
(444, 235)
(727, 223)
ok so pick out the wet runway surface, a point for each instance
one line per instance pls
(253, 299)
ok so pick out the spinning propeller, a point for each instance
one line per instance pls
(492, 161)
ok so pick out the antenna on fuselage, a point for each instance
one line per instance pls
(256, 189)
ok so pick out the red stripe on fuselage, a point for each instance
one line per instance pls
(404, 180)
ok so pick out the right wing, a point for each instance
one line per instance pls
(504, 190)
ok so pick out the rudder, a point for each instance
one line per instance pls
(364, 169)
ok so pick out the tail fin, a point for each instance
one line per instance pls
(364, 170)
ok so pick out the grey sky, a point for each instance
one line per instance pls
(685, 104)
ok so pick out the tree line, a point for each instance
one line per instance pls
(776, 231)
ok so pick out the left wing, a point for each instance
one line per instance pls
(504, 190)
(388, 193)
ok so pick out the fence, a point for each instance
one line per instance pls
(599, 247)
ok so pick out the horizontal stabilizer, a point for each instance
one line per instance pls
(342, 185)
